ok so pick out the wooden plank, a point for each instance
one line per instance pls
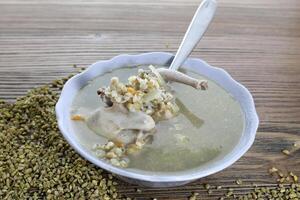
(256, 41)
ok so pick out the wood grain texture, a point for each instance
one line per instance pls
(256, 41)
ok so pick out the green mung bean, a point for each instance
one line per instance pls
(35, 160)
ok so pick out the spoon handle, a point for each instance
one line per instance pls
(197, 28)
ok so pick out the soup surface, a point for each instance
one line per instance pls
(209, 125)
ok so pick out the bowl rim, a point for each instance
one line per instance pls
(154, 177)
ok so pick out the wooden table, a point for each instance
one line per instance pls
(256, 41)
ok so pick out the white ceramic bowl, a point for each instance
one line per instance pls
(159, 179)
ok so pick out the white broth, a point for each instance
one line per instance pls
(209, 125)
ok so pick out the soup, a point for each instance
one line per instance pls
(208, 125)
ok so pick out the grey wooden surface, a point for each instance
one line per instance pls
(256, 41)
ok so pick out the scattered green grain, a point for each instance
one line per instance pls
(239, 182)
(286, 152)
(35, 160)
(206, 186)
(273, 170)
(295, 178)
(194, 196)
(138, 190)
(280, 174)
(229, 193)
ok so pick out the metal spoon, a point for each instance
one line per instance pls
(194, 33)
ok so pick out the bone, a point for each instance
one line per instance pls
(176, 76)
